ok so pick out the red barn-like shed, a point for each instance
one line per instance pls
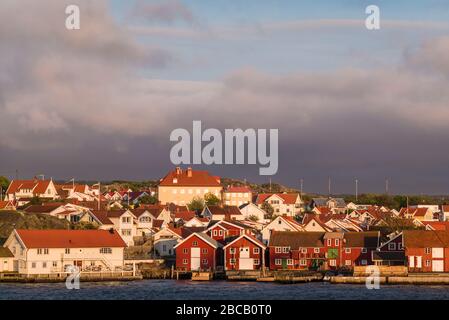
(198, 252)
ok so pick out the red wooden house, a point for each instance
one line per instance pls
(325, 250)
(198, 252)
(422, 250)
(244, 253)
(225, 229)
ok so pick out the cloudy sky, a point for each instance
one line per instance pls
(100, 102)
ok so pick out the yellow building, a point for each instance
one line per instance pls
(181, 186)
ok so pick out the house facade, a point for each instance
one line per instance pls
(289, 204)
(326, 251)
(198, 252)
(237, 196)
(182, 186)
(27, 189)
(53, 251)
(244, 253)
(281, 223)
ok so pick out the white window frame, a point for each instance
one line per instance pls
(392, 246)
(278, 262)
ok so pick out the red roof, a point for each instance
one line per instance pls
(437, 225)
(70, 238)
(324, 210)
(289, 198)
(188, 177)
(37, 186)
(241, 189)
(185, 215)
(415, 212)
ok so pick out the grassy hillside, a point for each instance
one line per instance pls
(10, 220)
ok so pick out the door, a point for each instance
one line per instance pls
(284, 263)
(195, 259)
(437, 265)
(244, 252)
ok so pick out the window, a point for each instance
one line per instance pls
(204, 251)
(348, 262)
(303, 250)
(195, 244)
(329, 242)
(302, 262)
(215, 233)
(39, 251)
(392, 246)
(400, 247)
(55, 264)
(232, 262)
(289, 262)
(232, 250)
(67, 251)
(190, 191)
(183, 191)
(220, 233)
(126, 219)
(106, 250)
(164, 248)
(126, 232)
(279, 221)
(185, 261)
(185, 251)
(347, 250)
(286, 249)
(42, 251)
(364, 262)
(428, 250)
(278, 249)
(333, 262)
(256, 262)
(33, 265)
(364, 250)
(44, 265)
(256, 250)
(205, 262)
(337, 242)
(427, 263)
(316, 250)
(278, 262)
(145, 220)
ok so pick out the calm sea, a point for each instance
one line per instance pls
(219, 290)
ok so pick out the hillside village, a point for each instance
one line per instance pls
(198, 223)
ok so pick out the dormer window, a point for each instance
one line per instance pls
(175, 180)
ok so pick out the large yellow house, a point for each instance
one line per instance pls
(181, 186)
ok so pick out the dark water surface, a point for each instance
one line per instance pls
(218, 290)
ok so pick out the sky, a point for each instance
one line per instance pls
(100, 103)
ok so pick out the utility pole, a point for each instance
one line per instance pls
(302, 185)
(270, 184)
(329, 187)
(356, 190)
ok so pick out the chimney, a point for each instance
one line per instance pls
(189, 172)
(178, 170)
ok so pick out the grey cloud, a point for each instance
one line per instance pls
(76, 102)
(169, 11)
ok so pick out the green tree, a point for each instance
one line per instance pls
(148, 200)
(197, 204)
(4, 183)
(211, 199)
(268, 209)
(253, 218)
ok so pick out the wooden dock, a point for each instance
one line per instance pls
(61, 277)
(202, 276)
